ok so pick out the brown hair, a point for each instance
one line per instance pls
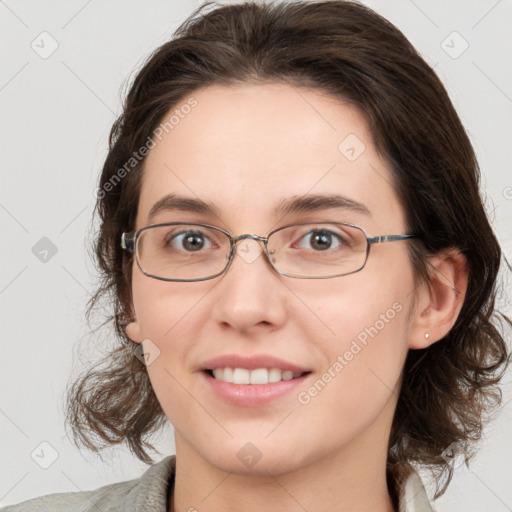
(351, 53)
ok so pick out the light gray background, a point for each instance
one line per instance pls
(56, 116)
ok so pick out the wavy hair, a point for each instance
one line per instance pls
(348, 51)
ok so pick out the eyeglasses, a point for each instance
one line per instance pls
(185, 251)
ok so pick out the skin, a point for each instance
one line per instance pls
(245, 149)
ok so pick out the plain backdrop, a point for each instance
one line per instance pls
(63, 68)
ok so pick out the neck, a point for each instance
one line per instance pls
(349, 479)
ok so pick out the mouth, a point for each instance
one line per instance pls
(258, 376)
(253, 380)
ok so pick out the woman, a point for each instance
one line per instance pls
(301, 268)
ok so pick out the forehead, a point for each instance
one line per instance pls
(246, 149)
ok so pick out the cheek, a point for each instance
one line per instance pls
(162, 308)
(359, 382)
(171, 317)
(366, 359)
(372, 335)
(363, 344)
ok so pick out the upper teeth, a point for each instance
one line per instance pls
(258, 376)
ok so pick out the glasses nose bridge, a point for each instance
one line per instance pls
(247, 255)
(236, 239)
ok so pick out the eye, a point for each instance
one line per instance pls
(321, 240)
(190, 241)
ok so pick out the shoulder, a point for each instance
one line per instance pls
(104, 498)
(151, 489)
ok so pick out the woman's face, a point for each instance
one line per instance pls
(246, 150)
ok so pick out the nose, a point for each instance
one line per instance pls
(250, 295)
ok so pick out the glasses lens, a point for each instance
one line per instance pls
(182, 251)
(318, 250)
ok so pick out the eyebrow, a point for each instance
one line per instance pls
(183, 204)
(319, 202)
(292, 205)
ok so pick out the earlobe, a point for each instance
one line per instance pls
(132, 330)
(440, 300)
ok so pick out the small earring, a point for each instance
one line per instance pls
(427, 335)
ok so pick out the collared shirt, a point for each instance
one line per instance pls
(151, 493)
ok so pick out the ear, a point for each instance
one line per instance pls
(132, 330)
(439, 301)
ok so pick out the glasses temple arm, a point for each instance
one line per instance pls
(128, 241)
(388, 238)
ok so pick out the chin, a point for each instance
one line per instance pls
(259, 456)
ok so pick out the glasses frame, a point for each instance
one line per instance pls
(129, 243)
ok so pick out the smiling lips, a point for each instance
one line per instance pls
(252, 381)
